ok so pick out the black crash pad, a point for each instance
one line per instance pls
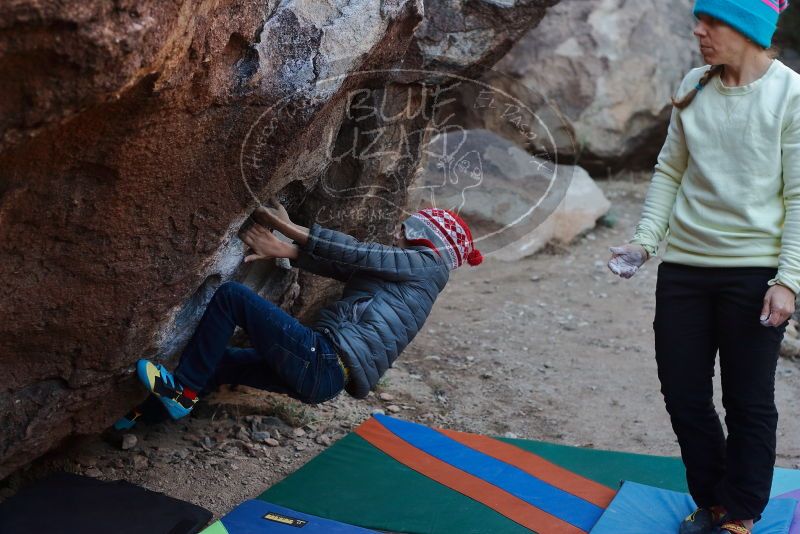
(66, 503)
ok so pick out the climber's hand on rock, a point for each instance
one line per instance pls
(778, 305)
(265, 245)
(280, 211)
(273, 216)
(626, 259)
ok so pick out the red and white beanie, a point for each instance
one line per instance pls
(446, 233)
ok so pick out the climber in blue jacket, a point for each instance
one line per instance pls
(389, 292)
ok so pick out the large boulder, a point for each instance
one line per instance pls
(515, 203)
(466, 37)
(610, 67)
(583, 204)
(135, 139)
(122, 188)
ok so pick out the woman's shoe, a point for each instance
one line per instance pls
(734, 526)
(702, 521)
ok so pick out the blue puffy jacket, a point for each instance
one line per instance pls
(388, 294)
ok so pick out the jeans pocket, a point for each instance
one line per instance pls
(331, 378)
(290, 367)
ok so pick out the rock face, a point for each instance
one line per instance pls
(610, 67)
(136, 137)
(468, 37)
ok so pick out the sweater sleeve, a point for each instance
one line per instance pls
(672, 162)
(789, 261)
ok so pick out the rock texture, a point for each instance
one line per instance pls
(135, 138)
(610, 67)
(468, 37)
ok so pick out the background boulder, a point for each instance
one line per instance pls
(610, 68)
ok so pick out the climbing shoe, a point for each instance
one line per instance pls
(733, 526)
(702, 521)
(178, 400)
(128, 421)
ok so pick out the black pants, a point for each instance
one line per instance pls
(700, 310)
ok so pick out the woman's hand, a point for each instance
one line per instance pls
(627, 259)
(265, 245)
(778, 305)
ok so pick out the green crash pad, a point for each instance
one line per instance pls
(357, 483)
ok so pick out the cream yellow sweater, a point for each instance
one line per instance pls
(726, 188)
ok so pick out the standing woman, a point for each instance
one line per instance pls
(726, 195)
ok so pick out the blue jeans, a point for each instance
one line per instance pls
(286, 357)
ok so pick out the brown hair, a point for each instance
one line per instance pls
(772, 52)
(686, 100)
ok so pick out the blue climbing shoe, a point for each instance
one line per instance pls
(128, 421)
(162, 384)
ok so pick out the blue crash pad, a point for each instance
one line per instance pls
(261, 517)
(638, 508)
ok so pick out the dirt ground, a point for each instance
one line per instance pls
(553, 347)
